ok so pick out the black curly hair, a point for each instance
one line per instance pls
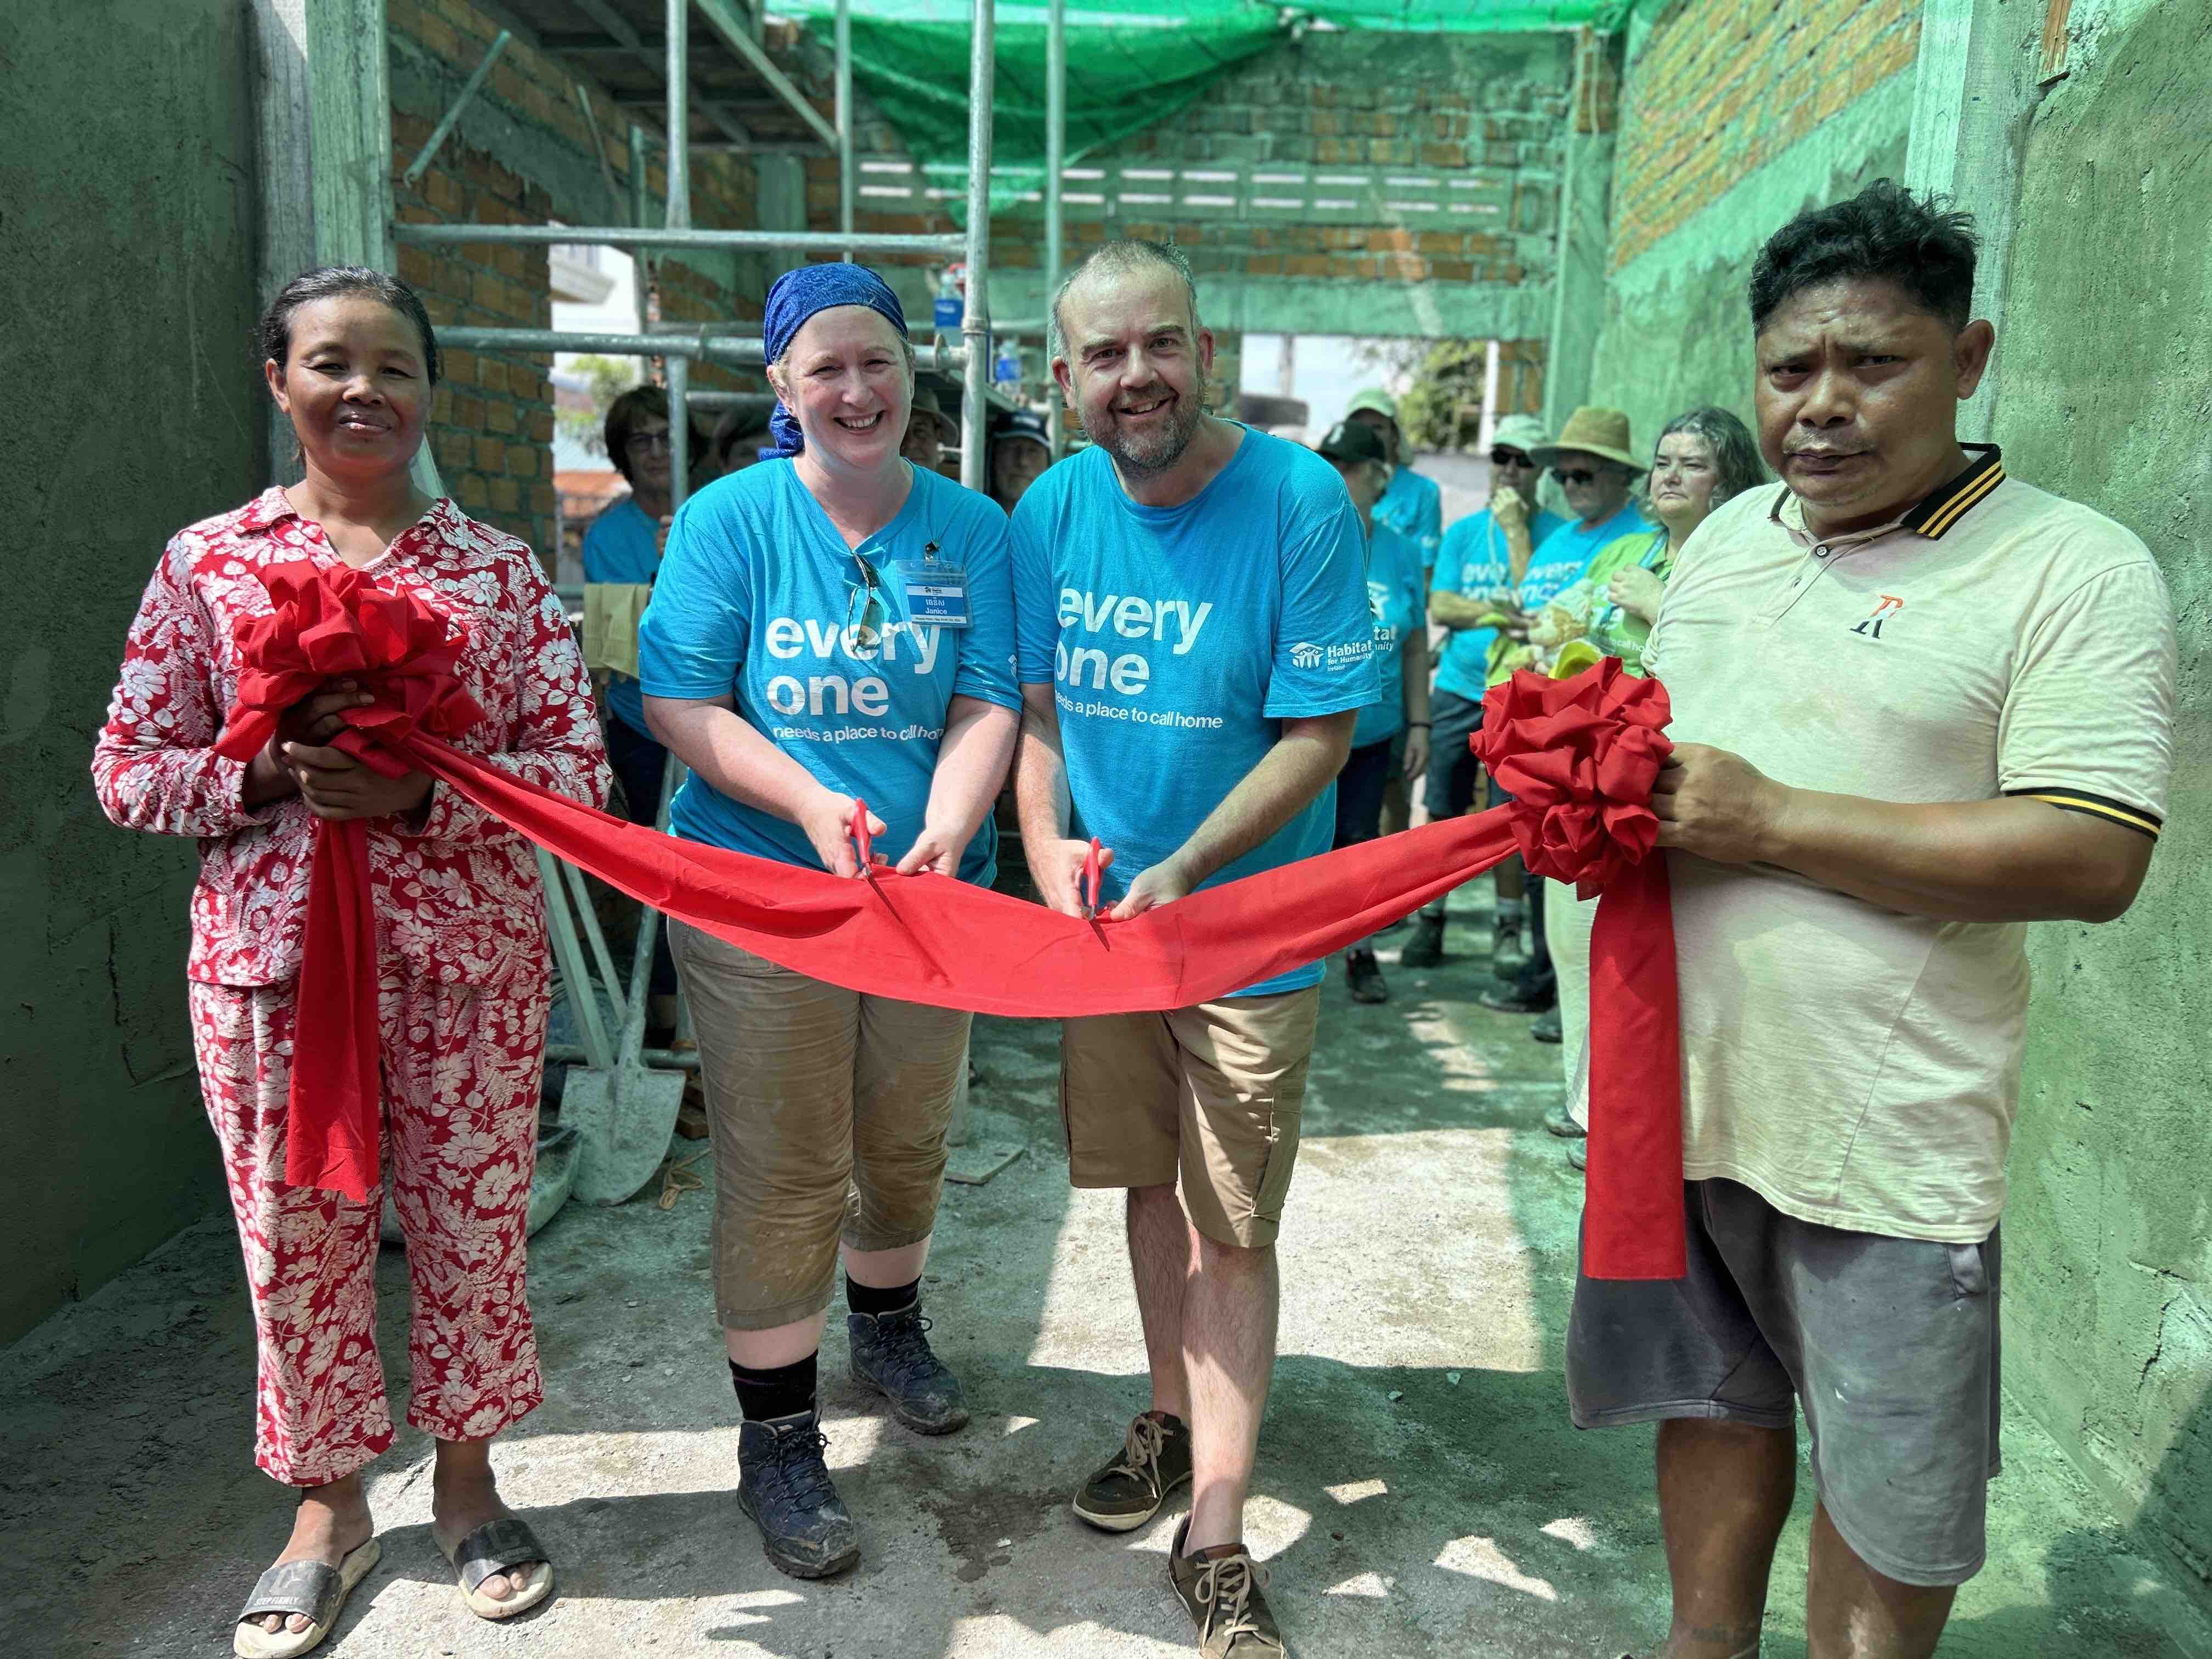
(272, 334)
(1885, 231)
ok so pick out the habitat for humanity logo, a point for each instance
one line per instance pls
(1336, 658)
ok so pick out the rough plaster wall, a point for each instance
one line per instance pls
(2107, 398)
(1676, 332)
(130, 228)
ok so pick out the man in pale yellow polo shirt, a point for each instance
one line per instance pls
(1917, 704)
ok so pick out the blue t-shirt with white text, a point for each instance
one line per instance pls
(759, 597)
(1178, 639)
(1414, 504)
(619, 548)
(1396, 600)
(1476, 563)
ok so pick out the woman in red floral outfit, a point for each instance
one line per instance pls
(462, 992)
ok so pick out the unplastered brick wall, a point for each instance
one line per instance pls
(523, 154)
(1721, 87)
(1366, 100)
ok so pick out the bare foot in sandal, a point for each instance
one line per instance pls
(465, 1495)
(333, 1521)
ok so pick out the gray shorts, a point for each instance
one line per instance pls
(1890, 1343)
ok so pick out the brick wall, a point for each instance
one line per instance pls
(1721, 87)
(1333, 99)
(523, 154)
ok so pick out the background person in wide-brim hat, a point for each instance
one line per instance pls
(929, 430)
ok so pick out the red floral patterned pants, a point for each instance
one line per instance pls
(461, 1071)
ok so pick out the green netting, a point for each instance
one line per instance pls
(1131, 64)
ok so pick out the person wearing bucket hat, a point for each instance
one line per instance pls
(1480, 567)
(1021, 449)
(1391, 738)
(833, 625)
(929, 430)
(1412, 505)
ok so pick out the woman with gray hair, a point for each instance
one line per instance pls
(1703, 457)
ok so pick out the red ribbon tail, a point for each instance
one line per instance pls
(1633, 1210)
(331, 1110)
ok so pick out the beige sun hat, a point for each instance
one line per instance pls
(1593, 431)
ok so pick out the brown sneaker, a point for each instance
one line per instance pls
(1222, 1595)
(1129, 1491)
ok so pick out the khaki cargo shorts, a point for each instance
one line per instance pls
(1210, 1094)
(828, 1109)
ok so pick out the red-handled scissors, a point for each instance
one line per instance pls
(1092, 869)
(864, 841)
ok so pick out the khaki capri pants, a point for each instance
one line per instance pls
(828, 1110)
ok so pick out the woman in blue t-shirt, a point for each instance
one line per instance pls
(831, 626)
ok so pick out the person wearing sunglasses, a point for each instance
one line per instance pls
(1479, 568)
(832, 625)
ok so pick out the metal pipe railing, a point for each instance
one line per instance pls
(1055, 160)
(719, 401)
(845, 122)
(739, 350)
(976, 324)
(757, 241)
(678, 15)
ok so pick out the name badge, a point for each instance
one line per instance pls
(936, 593)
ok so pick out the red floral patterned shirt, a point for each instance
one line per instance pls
(459, 901)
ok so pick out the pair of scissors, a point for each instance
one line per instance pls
(864, 841)
(1093, 869)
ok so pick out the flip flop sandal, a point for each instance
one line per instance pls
(314, 1590)
(499, 1546)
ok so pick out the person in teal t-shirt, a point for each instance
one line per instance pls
(832, 625)
(1195, 645)
(1392, 736)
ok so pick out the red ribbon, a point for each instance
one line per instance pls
(1579, 755)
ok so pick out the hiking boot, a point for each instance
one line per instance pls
(891, 1354)
(1365, 977)
(1129, 1491)
(784, 1486)
(1427, 947)
(1223, 1597)
(1578, 1154)
(1545, 1027)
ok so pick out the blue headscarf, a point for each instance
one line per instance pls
(797, 295)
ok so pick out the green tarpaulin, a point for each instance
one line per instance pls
(1131, 64)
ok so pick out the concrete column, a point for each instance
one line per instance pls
(1973, 99)
(1584, 231)
(284, 207)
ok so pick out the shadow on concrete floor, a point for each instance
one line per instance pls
(1420, 1491)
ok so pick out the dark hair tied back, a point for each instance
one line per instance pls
(1884, 231)
(272, 335)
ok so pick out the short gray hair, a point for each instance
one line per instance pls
(1737, 466)
(1119, 257)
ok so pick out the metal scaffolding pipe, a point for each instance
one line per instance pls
(416, 169)
(743, 241)
(679, 112)
(976, 324)
(719, 401)
(679, 431)
(1055, 159)
(845, 121)
(741, 350)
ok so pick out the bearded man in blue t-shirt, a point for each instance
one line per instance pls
(1194, 645)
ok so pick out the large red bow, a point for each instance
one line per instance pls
(932, 939)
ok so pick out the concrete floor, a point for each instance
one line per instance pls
(1419, 1492)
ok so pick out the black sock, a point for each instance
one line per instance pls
(778, 1391)
(867, 1299)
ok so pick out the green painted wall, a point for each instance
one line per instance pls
(130, 242)
(1676, 332)
(2106, 396)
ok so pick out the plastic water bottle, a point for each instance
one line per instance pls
(1006, 370)
(950, 309)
